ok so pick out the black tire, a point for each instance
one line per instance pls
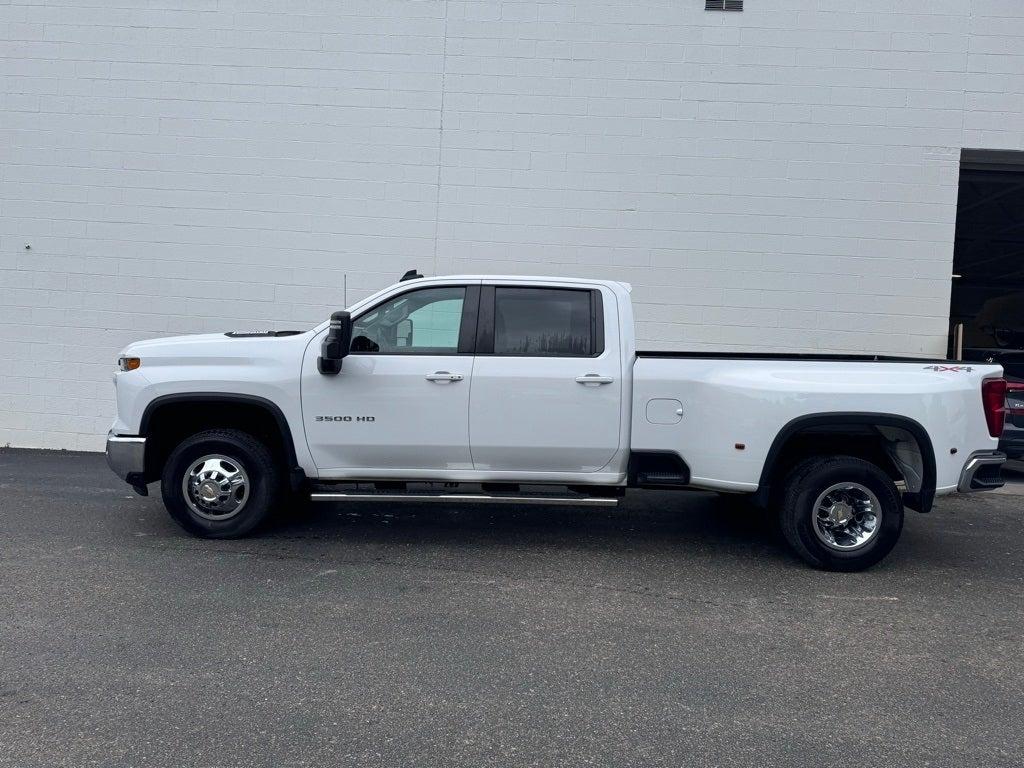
(807, 481)
(263, 486)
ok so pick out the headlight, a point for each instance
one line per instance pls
(128, 363)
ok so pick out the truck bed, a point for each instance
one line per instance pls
(721, 412)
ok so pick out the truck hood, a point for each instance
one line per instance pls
(215, 345)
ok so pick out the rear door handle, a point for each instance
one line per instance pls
(593, 378)
(444, 376)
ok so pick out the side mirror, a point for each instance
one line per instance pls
(336, 344)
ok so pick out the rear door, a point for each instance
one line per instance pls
(547, 380)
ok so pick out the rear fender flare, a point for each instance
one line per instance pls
(920, 501)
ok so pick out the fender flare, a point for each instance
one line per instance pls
(200, 398)
(921, 500)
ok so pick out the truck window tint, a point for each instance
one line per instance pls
(542, 322)
(422, 322)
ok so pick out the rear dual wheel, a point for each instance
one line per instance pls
(840, 513)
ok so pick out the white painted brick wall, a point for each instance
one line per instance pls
(784, 178)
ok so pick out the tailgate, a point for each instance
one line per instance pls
(1015, 403)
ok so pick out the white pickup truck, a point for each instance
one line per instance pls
(531, 390)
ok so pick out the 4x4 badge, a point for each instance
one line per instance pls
(953, 368)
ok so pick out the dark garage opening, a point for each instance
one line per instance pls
(988, 260)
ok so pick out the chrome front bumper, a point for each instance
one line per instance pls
(126, 456)
(982, 472)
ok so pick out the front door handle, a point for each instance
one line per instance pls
(593, 378)
(444, 376)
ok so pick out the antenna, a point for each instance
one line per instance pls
(344, 279)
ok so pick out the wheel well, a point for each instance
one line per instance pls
(899, 446)
(859, 442)
(168, 421)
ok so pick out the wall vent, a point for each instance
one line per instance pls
(723, 5)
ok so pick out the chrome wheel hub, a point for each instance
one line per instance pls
(847, 516)
(216, 487)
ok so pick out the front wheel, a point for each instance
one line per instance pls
(221, 483)
(840, 513)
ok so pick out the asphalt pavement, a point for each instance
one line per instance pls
(672, 631)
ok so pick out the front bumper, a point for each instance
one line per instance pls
(982, 472)
(126, 456)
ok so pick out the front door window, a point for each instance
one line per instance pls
(424, 322)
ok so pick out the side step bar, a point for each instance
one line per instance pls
(467, 498)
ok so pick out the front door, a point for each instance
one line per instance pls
(547, 381)
(401, 401)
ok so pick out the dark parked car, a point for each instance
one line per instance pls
(1012, 441)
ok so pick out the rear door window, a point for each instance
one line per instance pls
(544, 322)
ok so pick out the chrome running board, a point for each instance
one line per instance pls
(467, 498)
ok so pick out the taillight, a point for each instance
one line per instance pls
(993, 396)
